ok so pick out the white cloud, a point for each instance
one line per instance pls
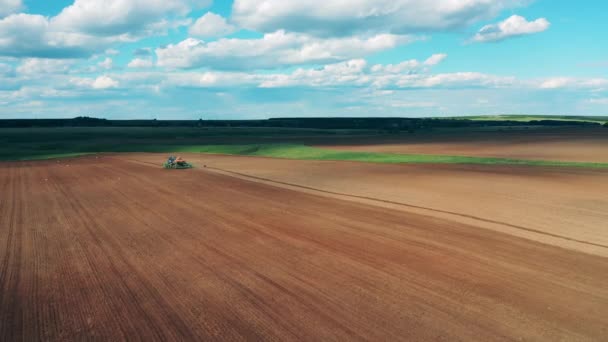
(140, 63)
(353, 73)
(554, 83)
(349, 73)
(90, 26)
(106, 64)
(212, 79)
(455, 80)
(99, 83)
(211, 25)
(273, 50)
(389, 79)
(511, 27)
(410, 66)
(345, 88)
(569, 82)
(599, 101)
(435, 59)
(405, 66)
(22, 32)
(28, 35)
(598, 84)
(39, 66)
(9, 7)
(104, 82)
(340, 17)
(117, 17)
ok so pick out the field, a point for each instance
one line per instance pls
(555, 144)
(290, 237)
(577, 147)
(569, 205)
(528, 118)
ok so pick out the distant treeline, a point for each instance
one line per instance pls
(389, 124)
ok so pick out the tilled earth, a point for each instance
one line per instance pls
(586, 144)
(114, 249)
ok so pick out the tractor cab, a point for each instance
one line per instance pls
(178, 162)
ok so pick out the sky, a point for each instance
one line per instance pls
(252, 59)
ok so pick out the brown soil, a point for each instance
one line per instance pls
(566, 207)
(111, 249)
(560, 144)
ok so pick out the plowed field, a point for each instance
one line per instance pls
(110, 248)
(558, 144)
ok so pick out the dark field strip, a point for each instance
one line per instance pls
(576, 147)
(112, 250)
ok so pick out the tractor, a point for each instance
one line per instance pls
(177, 163)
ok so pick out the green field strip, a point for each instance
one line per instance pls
(299, 152)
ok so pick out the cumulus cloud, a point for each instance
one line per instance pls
(389, 80)
(9, 7)
(457, 79)
(435, 59)
(355, 73)
(28, 35)
(273, 50)
(211, 25)
(306, 49)
(90, 26)
(39, 66)
(569, 82)
(140, 63)
(554, 83)
(116, 17)
(104, 82)
(511, 27)
(99, 83)
(339, 17)
(350, 73)
(212, 79)
(106, 64)
(410, 66)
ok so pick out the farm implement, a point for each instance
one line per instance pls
(177, 163)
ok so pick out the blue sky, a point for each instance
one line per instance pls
(187, 59)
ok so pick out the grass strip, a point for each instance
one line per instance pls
(289, 151)
(304, 152)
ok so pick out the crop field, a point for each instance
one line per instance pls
(528, 118)
(576, 147)
(587, 145)
(569, 205)
(302, 235)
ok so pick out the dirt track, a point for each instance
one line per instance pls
(561, 144)
(107, 248)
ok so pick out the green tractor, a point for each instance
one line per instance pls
(177, 163)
